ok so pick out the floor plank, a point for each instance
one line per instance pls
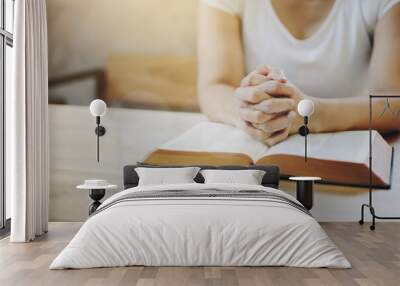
(375, 257)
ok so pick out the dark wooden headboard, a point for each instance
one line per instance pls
(270, 179)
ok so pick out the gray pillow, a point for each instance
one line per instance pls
(246, 177)
(166, 176)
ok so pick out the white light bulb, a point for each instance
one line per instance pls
(98, 107)
(305, 107)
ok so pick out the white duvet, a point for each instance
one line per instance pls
(200, 231)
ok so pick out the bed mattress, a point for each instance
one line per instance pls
(201, 225)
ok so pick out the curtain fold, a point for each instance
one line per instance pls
(27, 124)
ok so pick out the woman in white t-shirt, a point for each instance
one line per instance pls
(259, 58)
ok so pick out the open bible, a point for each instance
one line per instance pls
(340, 158)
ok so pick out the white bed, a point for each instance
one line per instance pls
(206, 230)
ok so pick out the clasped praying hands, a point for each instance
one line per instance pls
(267, 105)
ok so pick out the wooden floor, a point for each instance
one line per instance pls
(375, 257)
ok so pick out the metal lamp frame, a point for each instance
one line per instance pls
(370, 201)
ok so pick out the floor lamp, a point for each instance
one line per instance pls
(370, 202)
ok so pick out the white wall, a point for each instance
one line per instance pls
(83, 34)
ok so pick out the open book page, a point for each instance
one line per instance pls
(347, 146)
(216, 137)
(381, 157)
(340, 157)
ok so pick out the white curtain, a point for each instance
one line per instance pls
(27, 143)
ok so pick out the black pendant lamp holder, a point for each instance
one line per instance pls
(99, 131)
(304, 131)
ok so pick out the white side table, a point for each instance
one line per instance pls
(97, 190)
(304, 190)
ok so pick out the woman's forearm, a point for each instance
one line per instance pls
(218, 103)
(221, 63)
(353, 114)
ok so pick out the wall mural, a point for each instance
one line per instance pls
(221, 90)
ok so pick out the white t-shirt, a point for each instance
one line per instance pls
(333, 62)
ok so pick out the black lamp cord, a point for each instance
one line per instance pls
(98, 137)
(305, 137)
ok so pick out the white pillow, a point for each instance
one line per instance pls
(248, 177)
(165, 176)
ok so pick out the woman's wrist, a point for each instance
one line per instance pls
(328, 116)
(317, 121)
(231, 115)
